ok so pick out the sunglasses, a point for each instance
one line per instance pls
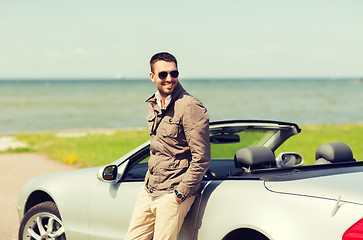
(173, 74)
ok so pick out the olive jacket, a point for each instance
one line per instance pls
(179, 145)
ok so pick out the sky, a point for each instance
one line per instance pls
(211, 39)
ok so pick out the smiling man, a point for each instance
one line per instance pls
(166, 80)
(178, 126)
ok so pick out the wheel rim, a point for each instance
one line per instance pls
(43, 226)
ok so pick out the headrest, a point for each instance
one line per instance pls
(254, 158)
(334, 152)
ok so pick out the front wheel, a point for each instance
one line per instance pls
(42, 222)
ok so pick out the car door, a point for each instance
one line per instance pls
(110, 208)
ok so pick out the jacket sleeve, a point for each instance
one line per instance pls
(196, 130)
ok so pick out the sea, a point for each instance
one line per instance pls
(57, 104)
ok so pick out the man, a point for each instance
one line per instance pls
(179, 155)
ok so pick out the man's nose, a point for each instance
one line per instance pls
(168, 77)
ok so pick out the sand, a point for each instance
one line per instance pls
(16, 170)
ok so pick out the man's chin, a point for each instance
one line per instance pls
(168, 91)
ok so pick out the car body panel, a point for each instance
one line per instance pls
(71, 198)
(243, 204)
(110, 209)
(345, 186)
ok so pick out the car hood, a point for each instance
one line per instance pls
(346, 186)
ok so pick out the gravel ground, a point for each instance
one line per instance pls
(16, 170)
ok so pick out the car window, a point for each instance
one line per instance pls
(137, 173)
(248, 138)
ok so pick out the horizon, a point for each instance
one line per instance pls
(187, 79)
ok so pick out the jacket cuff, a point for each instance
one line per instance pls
(183, 190)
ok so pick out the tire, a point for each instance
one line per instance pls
(245, 234)
(42, 222)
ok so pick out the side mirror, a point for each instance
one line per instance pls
(289, 159)
(109, 174)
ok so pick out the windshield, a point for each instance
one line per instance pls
(247, 138)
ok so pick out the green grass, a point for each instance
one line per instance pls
(95, 148)
(311, 137)
(91, 150)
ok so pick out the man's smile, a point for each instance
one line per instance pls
(169, 84)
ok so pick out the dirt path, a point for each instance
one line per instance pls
(16, 170)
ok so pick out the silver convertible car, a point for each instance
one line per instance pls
(247, 193)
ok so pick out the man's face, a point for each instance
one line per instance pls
(165, 86)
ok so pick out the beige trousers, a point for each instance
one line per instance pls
(157, 218)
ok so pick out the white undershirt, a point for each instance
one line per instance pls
(158, 99)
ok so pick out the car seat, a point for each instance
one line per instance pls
(254, 158)
(333, 153)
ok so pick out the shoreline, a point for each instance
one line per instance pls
(88, 130)
(107, 130)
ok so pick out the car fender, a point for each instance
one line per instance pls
(70, 192)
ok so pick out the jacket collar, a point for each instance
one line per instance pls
(178, 90)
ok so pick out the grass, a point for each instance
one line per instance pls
(93, 148)
(312, 136)
(88, 148)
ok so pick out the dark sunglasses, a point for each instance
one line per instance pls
(173, 74)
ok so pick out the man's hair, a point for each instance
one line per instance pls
(163, 56)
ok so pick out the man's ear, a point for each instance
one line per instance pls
(152, 76)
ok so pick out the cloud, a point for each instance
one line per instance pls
(257, 52)
(274, 49)
(3, 57)
(83, 52)
(241, 53)
(76, 52)
(53, 53)
(322, 53)
(79, 52)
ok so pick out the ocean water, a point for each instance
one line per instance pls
(31, 105)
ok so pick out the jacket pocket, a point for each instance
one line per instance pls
(174, 175)
(150, 123)
(170, 127)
